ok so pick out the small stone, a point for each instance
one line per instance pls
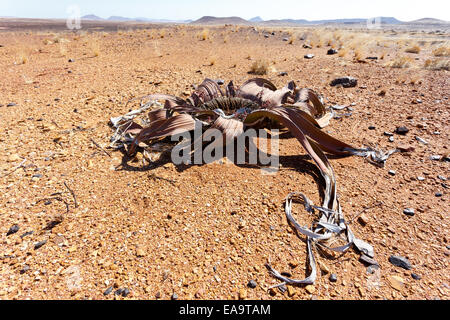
(331, 51)
(438, 194)
(409, 212)
(346, 82)
(324, 268)
(309, 56)
(118, 292)
(174, 296)
(285, 39)
(252, 284)
(291, 291)
(396, 282)
(388, 134)
(442, 178)
(71, 60)
(24, 269)
(423, 141)
(13, 230)
(415, 276)
(39, 244)
(140, 252)
(372, 127)
(125, 292)
(220, 82)
(402, 130)
(372, 269)
(108, 291)
(333, 277)
(401, 262)
(307, 46)
(391, 139)
(283, 74)
(158, 295)
(242, 294)
(420, 178)
(392, 172)
(310, 289)
(12, 104)
(367, 260)
(435, 157)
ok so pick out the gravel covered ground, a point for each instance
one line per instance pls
(204, 232)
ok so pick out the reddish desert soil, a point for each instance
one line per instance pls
(209, 230)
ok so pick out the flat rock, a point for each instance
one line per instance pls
(401, 262)
(346, 82)
(309, 56)
(13, 230)
(401, 130)
(409, 212)
(396, 282)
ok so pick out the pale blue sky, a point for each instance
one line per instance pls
(404, 10)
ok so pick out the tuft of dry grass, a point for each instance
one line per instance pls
(442, 51)
(22, 58)
(259, 67)
(401, 62)
(437, 64)
(358, 55)
(343, 52)
(204, 35)
(413, 49)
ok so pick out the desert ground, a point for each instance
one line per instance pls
(86, 222)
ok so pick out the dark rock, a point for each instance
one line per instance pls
(39, 244)
(415, 276)
(331, 51)
(307, 46)
(438, 194)
(333, 277)
(367, 260)
(125, 292)
(158, 295)
(273, 33)
(24, 269)
(372, 128)
(286, 274)
(220, 82)
(392, 172)
(401, 130)
(285, 39)
(442, 178)
(346, 82)
(12, 104)
(309, 56)
(13, 230)
(401, 262)
(29, 233)
(71, 60)
(252, 284)
(283, 74)
(266, 36)
(409, 212)
(118, 292)
(108, 291)
(372, 58)
(174, 296)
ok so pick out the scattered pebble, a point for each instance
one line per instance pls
(372, 128)
(13, 230)
(438, 194)
(423, 141)
(12, 104)
(442, 178)
(39, 244)
(420, 178)
(346, 82)
(391, 139)
(409, 212)
(415, 276)
(24, 269)
(396, 282)
(174, 296)
(309, 56)
(367, 260)
(402, 130)
(252, 284)
(331, 51)
(435, 157)
(283, 74)
(108, 291)
(401, 262)
(71, 60)
(392, 172)
(333, 277)
(310, 289)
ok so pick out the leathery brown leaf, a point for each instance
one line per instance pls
(240, 108)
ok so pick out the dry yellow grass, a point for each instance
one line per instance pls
(204, 35)
(401, 62)
(413, 49)
(442, 51)
(259, 67)
(437, 64)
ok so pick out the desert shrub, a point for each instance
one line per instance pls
(442, 51)
(437, 64)
(401, 62)
(413, 49)
(259, 67)
(204, 35)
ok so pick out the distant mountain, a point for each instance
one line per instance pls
(429, 21)
(383, 20)
(91, 17)
(118, 18)
(256, 19)
(222, 20)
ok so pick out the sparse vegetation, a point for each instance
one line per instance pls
(259, 67)
(401, 62)
(204, 35)
(437, 64)
(413, 49)
(442, 51)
